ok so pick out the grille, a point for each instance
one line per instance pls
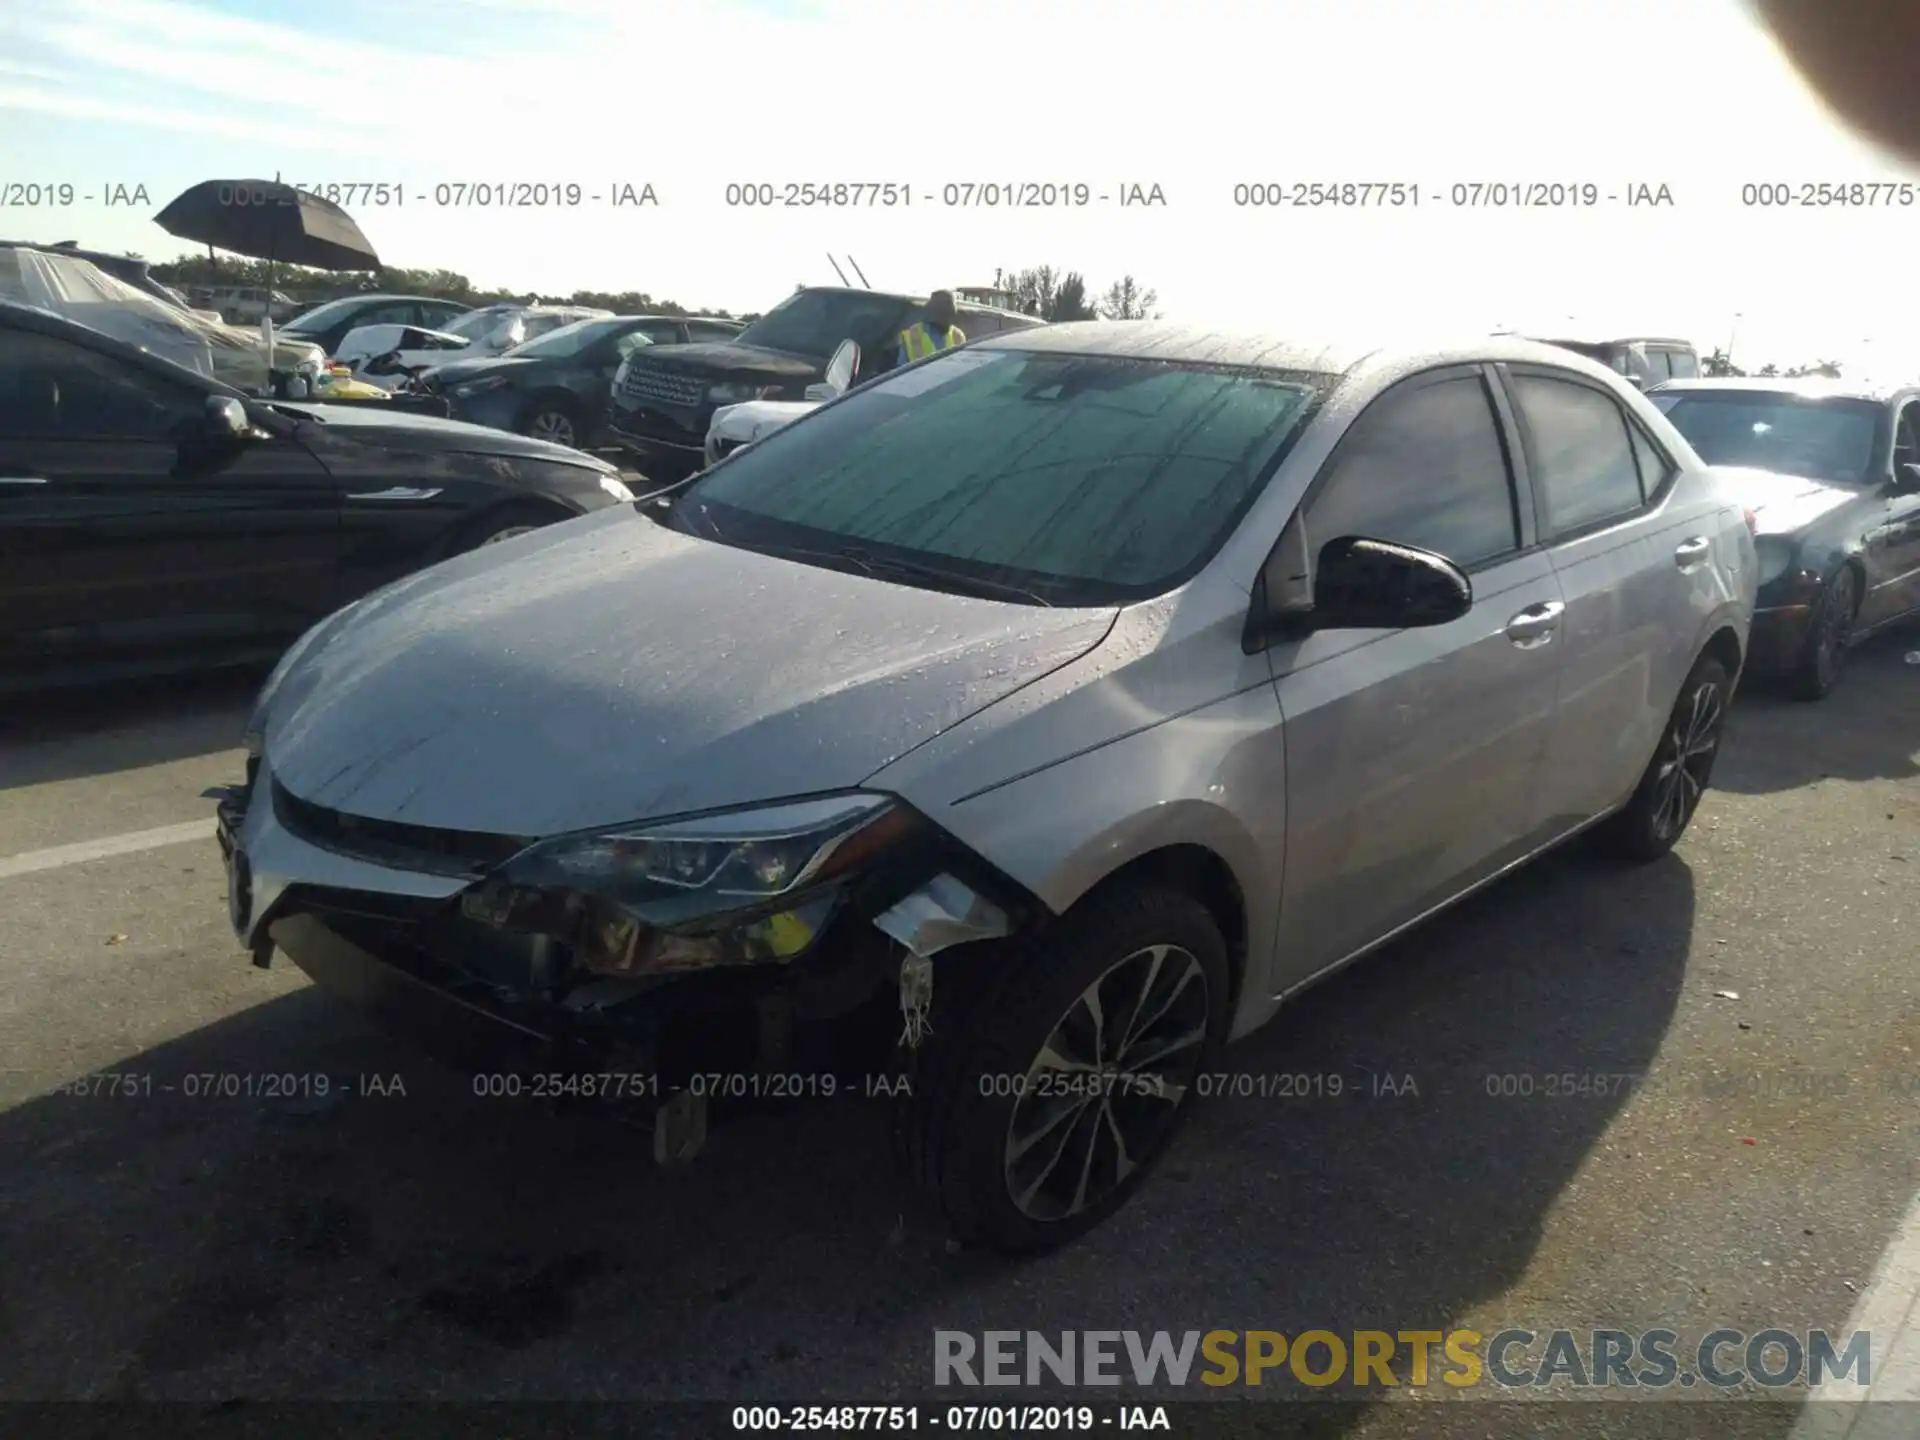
(663, 387)
(387, 842)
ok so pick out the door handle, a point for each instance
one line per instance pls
(22, 480)
(396, 492)
(1536, 624)
(1689, 553)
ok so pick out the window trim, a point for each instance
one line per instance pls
(1652, 499)
(1517, 479)
(1549, 534)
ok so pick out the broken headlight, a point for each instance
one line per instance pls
(734, 887)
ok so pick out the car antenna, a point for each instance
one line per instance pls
(856, 270)
(837, 270)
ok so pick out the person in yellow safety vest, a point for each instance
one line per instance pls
(935, 333)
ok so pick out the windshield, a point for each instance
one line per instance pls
(476, 324)
(1080, 480)
(568, 339)
(322, 316)
(1823, 439)
(814, 322)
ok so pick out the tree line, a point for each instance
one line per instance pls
(1050, 292)
(1720, 364)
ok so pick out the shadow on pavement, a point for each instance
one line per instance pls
(70, 734)
(168, 1243)
(1867, 729)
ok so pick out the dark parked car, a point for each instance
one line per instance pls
(1832, 474)
(1644, 361)
(327, 325)
(153, 519)
(663, 400)
(556, 387)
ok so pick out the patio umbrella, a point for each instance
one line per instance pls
(271, 221)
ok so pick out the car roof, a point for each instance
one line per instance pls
(1622, 340)
(1812, 387)
(1267, 350)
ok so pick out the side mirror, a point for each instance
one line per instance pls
(1638, 382)
(226, 419)
(841, 369)
(1361, 584)
(1358, 584)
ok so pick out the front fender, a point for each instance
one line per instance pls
(1214, 778)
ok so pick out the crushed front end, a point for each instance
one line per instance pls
(740, 943)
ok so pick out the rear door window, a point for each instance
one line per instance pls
(1683, 365)
(1583, 458)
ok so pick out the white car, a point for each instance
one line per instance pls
(735, 426)
(491, 330)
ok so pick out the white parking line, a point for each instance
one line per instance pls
(1889, 1310)
(135, 841)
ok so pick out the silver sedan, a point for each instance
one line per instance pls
(1074, 699)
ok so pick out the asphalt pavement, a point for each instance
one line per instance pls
(1741, 1153)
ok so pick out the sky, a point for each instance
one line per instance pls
(114, 97)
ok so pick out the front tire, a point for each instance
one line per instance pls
(1055, 1092)
(1825, 658)
(1669, 792)
(551, 420)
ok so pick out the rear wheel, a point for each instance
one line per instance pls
(1677, 776)
(1041, 1110)
(1825, 657)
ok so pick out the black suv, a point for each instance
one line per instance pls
(664, 396)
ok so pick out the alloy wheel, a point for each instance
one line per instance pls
(1836, 627)
(1693, 740)
(553, 425)
(1100, 1097)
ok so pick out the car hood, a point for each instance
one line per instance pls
(726, 360)
(398, 430)
(1781, 503)
(608, 670)
(456, 371)
(748, 421)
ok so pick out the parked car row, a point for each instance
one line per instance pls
(1082, 694)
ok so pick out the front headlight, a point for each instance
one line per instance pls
(736, 887)
(479, 387)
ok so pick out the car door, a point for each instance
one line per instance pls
(123, 535)
(1893, 542)
(1412, 754)
(1637, 571)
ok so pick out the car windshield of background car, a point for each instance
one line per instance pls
(1817, 438)
(569, 339)
(814, 322)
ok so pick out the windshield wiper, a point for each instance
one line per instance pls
(882, 566)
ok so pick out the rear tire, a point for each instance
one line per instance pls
(1035, 1113)
(1677, 777)
(1824, 659)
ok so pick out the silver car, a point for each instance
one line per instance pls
(1064, 703)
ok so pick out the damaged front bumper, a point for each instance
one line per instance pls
(433, 951)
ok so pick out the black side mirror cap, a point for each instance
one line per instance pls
(227, 418)
(1363, 584)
